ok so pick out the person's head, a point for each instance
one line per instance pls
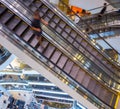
(83, 11)
(77, 12)
(36, 15)
(105, 4)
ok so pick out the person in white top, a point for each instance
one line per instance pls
(77, 17)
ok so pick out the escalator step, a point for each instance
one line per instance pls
(6, 16)
(44, 44)
(50, 14)
(61, 63)
(49, 51)
(97, 89)
(91, 85)
(58, 29)
(70, 39)
(86, 81)
(37, 3)
(34, 41)
(74, 71)
(76, 44)
(84, 44)
(103, 94)
(27, 35)
(13, 23)
(21, 28)
(62, 24)
(32, 7)
(80, 76)
(44, 9)
(73, 34)
(78, 39)
(68, 66)
(64, 34)
(52, 24)
(56, 19)
(2, 9)
(56, 56)
(67, 29)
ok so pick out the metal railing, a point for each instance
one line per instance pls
(100, 7)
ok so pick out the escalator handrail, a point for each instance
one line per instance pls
(91, 29)
(68, 51)
(110, 4)
(93, 16)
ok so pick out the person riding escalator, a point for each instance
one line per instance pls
(36, 26)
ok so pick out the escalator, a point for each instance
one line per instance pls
(105, 78)
(108, 79)
(107, 27)
(78, 57)
(17, 34)
(92, 64)
(85, 26)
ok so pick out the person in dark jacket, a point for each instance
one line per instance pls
(36, 26)
(103, 10)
